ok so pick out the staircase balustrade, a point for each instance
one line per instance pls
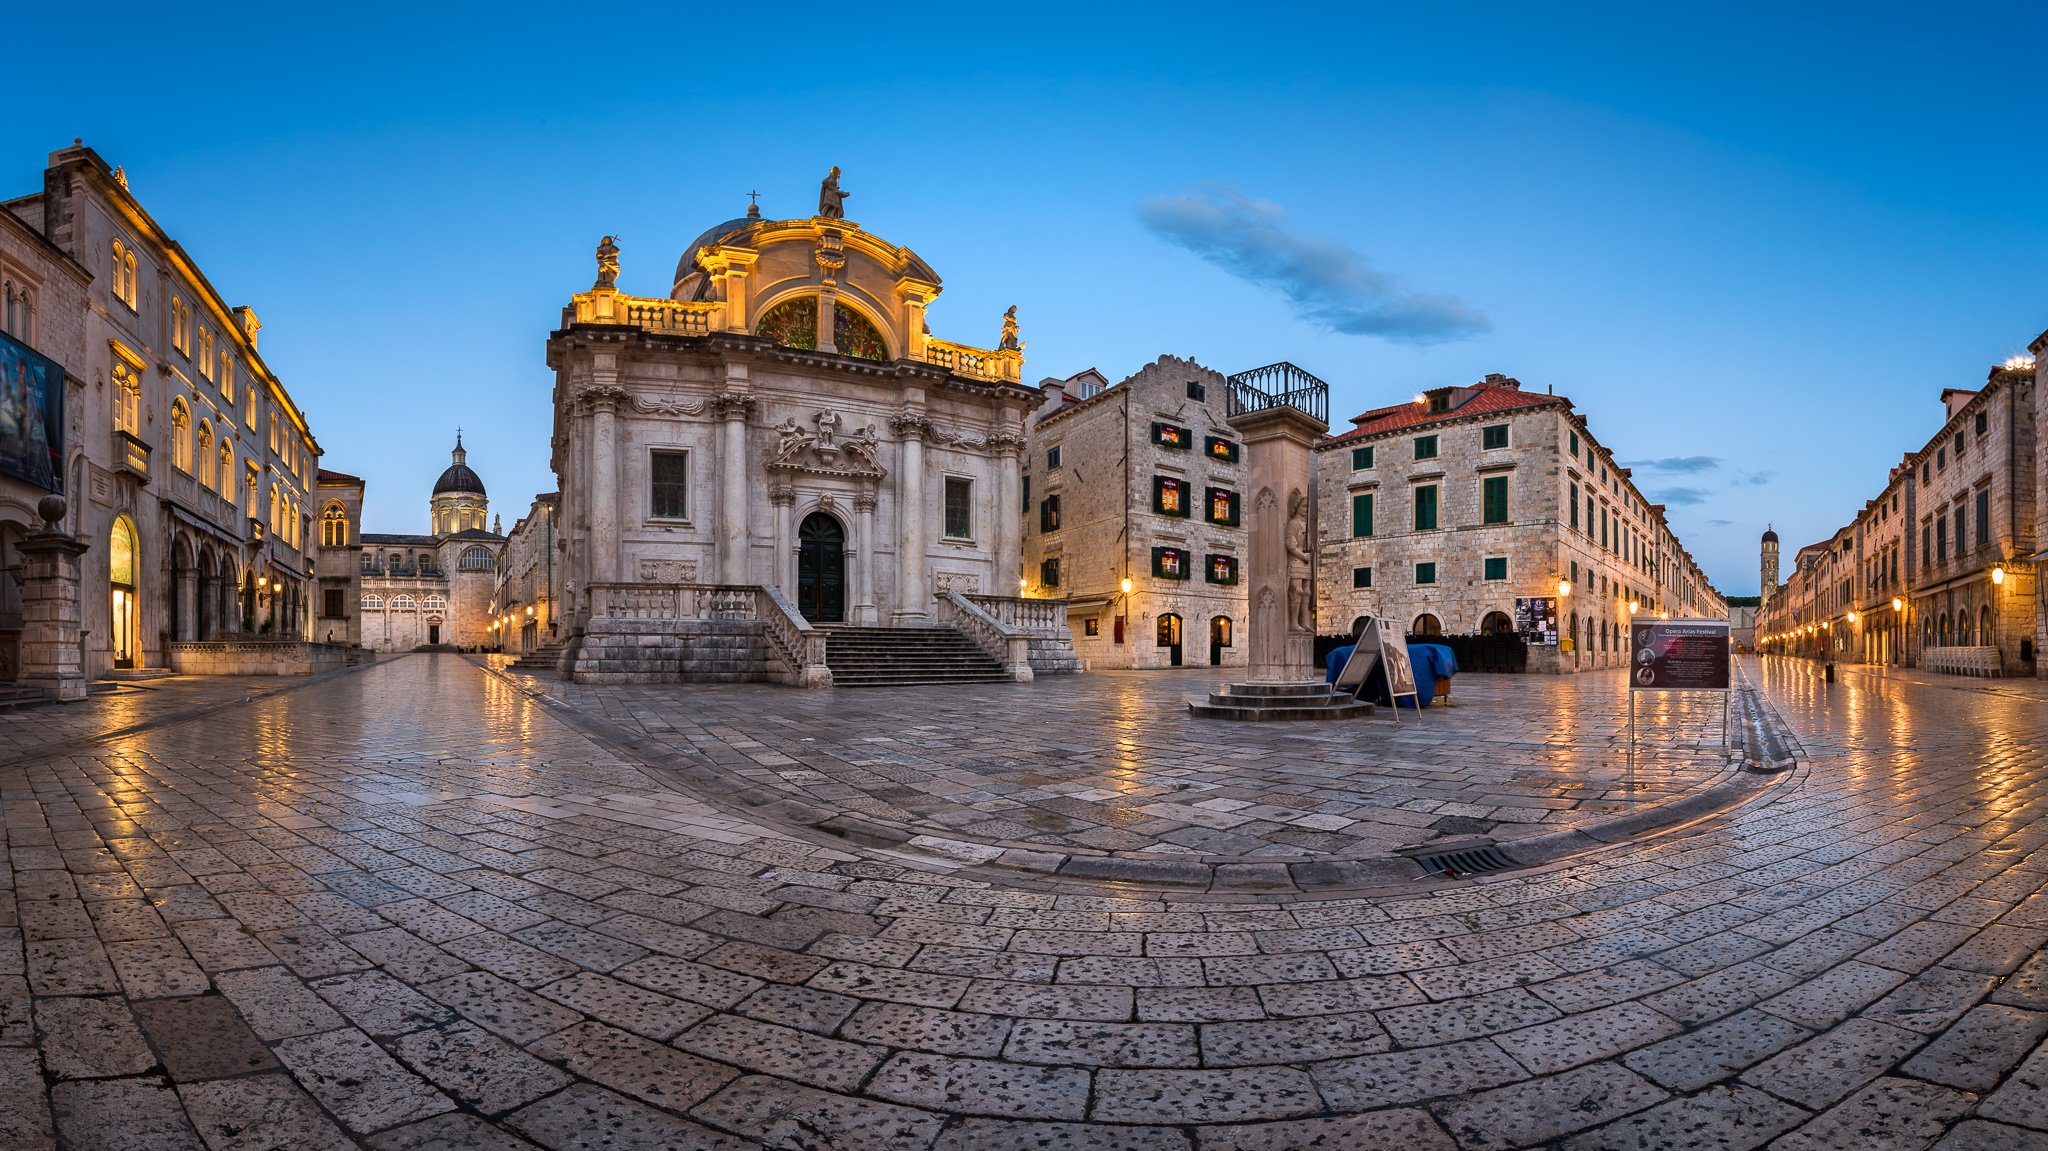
(1009, 645)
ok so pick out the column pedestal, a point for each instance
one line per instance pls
(51, 658)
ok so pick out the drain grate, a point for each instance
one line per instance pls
(1473, 861)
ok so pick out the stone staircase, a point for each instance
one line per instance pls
(543, 658)
(13, 697)
(903, 656)
(1270, 702)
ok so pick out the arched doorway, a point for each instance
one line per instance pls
(1496, 623)
(1426, 624)
(821, 569)
(1219, 638)
(121, 567)
(1170, 637)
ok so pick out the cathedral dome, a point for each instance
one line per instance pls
(711, 235)
(459, 477)
(1770, 537)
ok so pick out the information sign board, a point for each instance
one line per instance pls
(1678, 655)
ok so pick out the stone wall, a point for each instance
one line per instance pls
(703, 651)
(256, 657)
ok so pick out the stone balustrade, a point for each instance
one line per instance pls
(652, 632)
(703, 317)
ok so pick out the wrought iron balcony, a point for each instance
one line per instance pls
(1280, 385)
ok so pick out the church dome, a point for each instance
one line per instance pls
(459, 477)
(1770, 537)
(711, 235)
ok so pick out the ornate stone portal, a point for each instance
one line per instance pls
(1278, 427)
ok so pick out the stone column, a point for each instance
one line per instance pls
(603, 404)
(1281, 539)
(52, 657)
(864, 612)
(733, 480)
(1008, 545)
(912, 596)
(783, 495)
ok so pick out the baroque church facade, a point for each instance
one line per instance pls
(434, 590)
(783, 420)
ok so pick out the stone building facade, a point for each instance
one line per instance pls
(1142, 481)
(188, 470)
(1442, 512)
(1939, 570)
(43, 303)
(338, 564)
(529, 587)
(435, 590)
(781, 425)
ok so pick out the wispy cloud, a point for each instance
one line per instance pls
(1688, 465)
(1681, 495)
(1755, 479)
(1335, 286)
(1719, 523)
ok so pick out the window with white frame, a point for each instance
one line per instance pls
(124, 275)
(181, 326)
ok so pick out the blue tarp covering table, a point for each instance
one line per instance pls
(1432, 662)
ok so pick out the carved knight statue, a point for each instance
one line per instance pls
(607, 265)
(832, 201)
(1300, 587)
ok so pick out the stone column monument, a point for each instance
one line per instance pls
(1279, 412)
(51, 658)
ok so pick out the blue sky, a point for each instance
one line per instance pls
(1755, 240)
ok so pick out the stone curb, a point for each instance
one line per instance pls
(1248, 880)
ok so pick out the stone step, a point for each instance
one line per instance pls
(126, 674)
(904, 657)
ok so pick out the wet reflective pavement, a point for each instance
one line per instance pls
(412, 907)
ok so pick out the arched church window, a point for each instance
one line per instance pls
(476, 559)
(373, 603)
(855, 336)
(793, 323)
(402, 603)
(334, 527)
(436, 603)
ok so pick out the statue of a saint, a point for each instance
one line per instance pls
(828, 425)
(1300, 589)
(832, 201)
(607, 265)
(1009, 341)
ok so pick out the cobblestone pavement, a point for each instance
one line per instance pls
(411, 908)
(1111, 763)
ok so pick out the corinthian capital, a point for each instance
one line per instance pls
(732, 405)
(910, 426)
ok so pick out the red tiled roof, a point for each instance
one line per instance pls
(1486, 399)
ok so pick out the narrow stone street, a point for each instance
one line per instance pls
(429, 904)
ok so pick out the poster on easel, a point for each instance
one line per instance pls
(1400, 673)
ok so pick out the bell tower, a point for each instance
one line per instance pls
(1768, 570)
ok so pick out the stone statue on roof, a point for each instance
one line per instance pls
(607, 265)
(1009, 342)
(832, 201)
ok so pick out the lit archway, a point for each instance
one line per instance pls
(127, 613)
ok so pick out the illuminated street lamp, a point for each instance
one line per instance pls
(1127, 585)
(1998, 574)
(1633, 606)
(1564, 587)
(1852, 617)
(1898, 604)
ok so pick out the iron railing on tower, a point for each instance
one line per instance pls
(1280, 385)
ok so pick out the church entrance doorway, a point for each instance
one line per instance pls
(1219, 638)
(433, 635)
(821, 569)
(1169, 638)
